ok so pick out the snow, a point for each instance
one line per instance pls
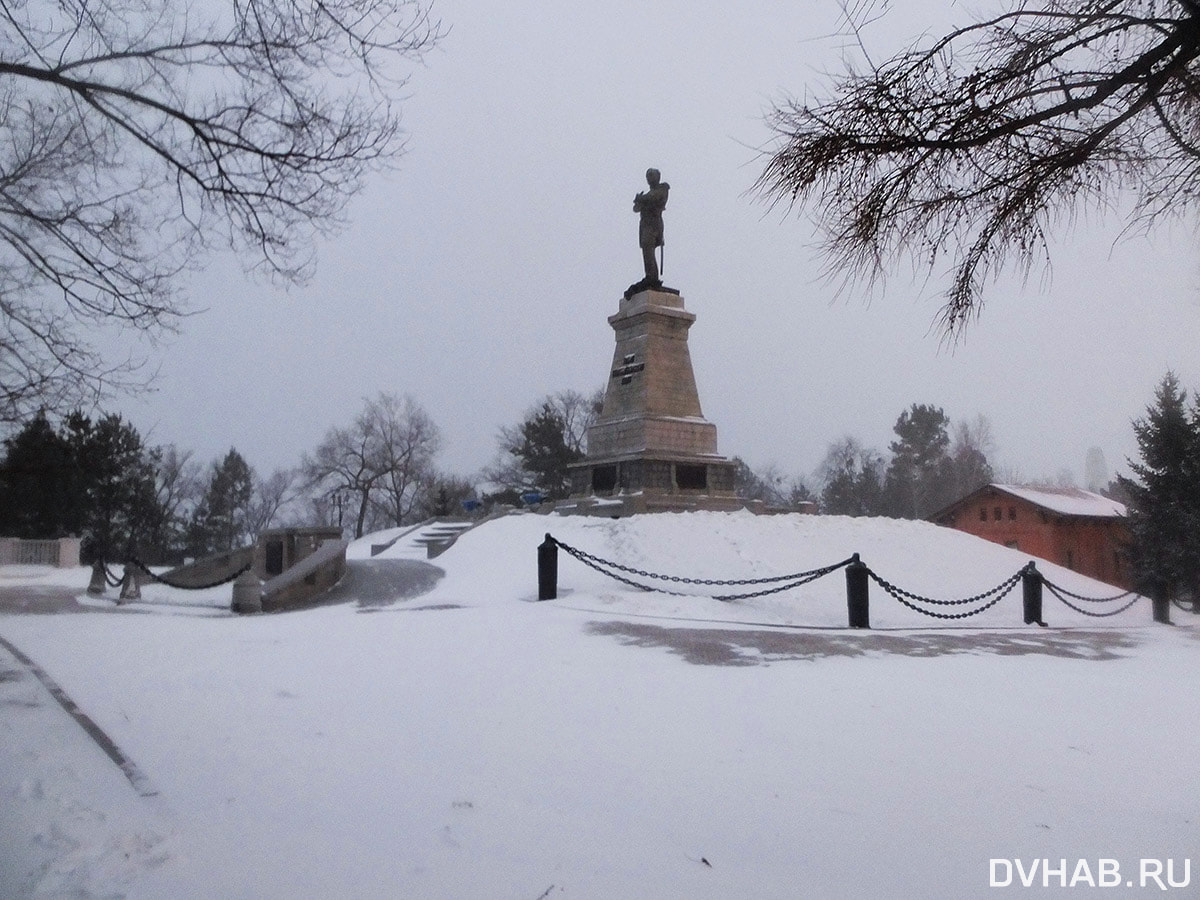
(474, 743)
(1068, 501)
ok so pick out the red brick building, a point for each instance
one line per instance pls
(1083, 531)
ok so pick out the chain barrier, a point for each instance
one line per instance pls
(1083, 599)
(1000, 591)
(580, 555)
(781, 582)
(109, 578)
(988, 598)
(1059, 593)
(189, 587)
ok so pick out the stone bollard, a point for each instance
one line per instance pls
(1031, 595)
(548, 569)
(858, 600)
(98, 583)
(247, 593)
(131, 584)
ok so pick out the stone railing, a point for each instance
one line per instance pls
(298, 585)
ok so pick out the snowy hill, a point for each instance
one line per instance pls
(920, 557)
(472, 743)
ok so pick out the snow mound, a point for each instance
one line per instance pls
(497, 563)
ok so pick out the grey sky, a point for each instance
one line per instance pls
(478, 276)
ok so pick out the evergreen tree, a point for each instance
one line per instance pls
(536, 452)
(220, 520)
(39, 483)
(544, 453)
(119, 503)
(1164, 494)
(919, 478)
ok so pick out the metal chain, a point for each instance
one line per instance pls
(583, 556)
(1088, 612)
(808, 578)
(190, 587)
(110, 579)
(1083, 599)
(895, 591)
(603, 565)
(936, 615)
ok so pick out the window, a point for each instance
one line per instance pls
(1012, 513)
(983, 514)
(1012, 545)
(691, 478)
(604, 478)
(997, 514)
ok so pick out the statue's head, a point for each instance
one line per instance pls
(653, 176)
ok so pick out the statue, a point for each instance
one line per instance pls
(650, 205)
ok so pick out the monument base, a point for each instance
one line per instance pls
(648, 482)
(651, 449)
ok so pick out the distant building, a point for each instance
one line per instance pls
(1078, 529)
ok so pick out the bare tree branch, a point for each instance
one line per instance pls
(137, 134)
(962, 156)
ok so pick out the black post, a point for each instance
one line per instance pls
(858, 594)
(1160, 600)
(548, 569)
(1031, 589)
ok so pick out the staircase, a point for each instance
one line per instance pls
(425, 541)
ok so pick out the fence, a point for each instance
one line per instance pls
(63, 552)
(858, 580)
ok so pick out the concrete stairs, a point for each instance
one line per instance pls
(425, 541)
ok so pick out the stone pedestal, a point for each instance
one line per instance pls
(651, 449)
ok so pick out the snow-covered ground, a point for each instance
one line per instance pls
(474, 743)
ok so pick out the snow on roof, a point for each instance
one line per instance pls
(1068, 501)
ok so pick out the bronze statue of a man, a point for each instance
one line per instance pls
(650, 204)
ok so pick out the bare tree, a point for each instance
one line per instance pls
(135, 134)
(378, 462)
(966, 151)
(409, 441)
(270, 496)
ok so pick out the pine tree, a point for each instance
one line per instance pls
(220, 520)
(544, 453)
(39, 483)
(921, 469)
(1164, 519)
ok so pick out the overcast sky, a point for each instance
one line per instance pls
(478, 276)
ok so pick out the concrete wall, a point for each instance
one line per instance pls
(317, 572)
(63, 552)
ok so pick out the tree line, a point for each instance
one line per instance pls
(99, 479)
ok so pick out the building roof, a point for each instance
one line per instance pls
(1066, 501)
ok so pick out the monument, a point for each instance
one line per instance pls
(651, 449)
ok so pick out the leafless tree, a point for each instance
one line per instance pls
(967, 151)
(136, 134)
(409, 441)
(271, 495)
(378, 462)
